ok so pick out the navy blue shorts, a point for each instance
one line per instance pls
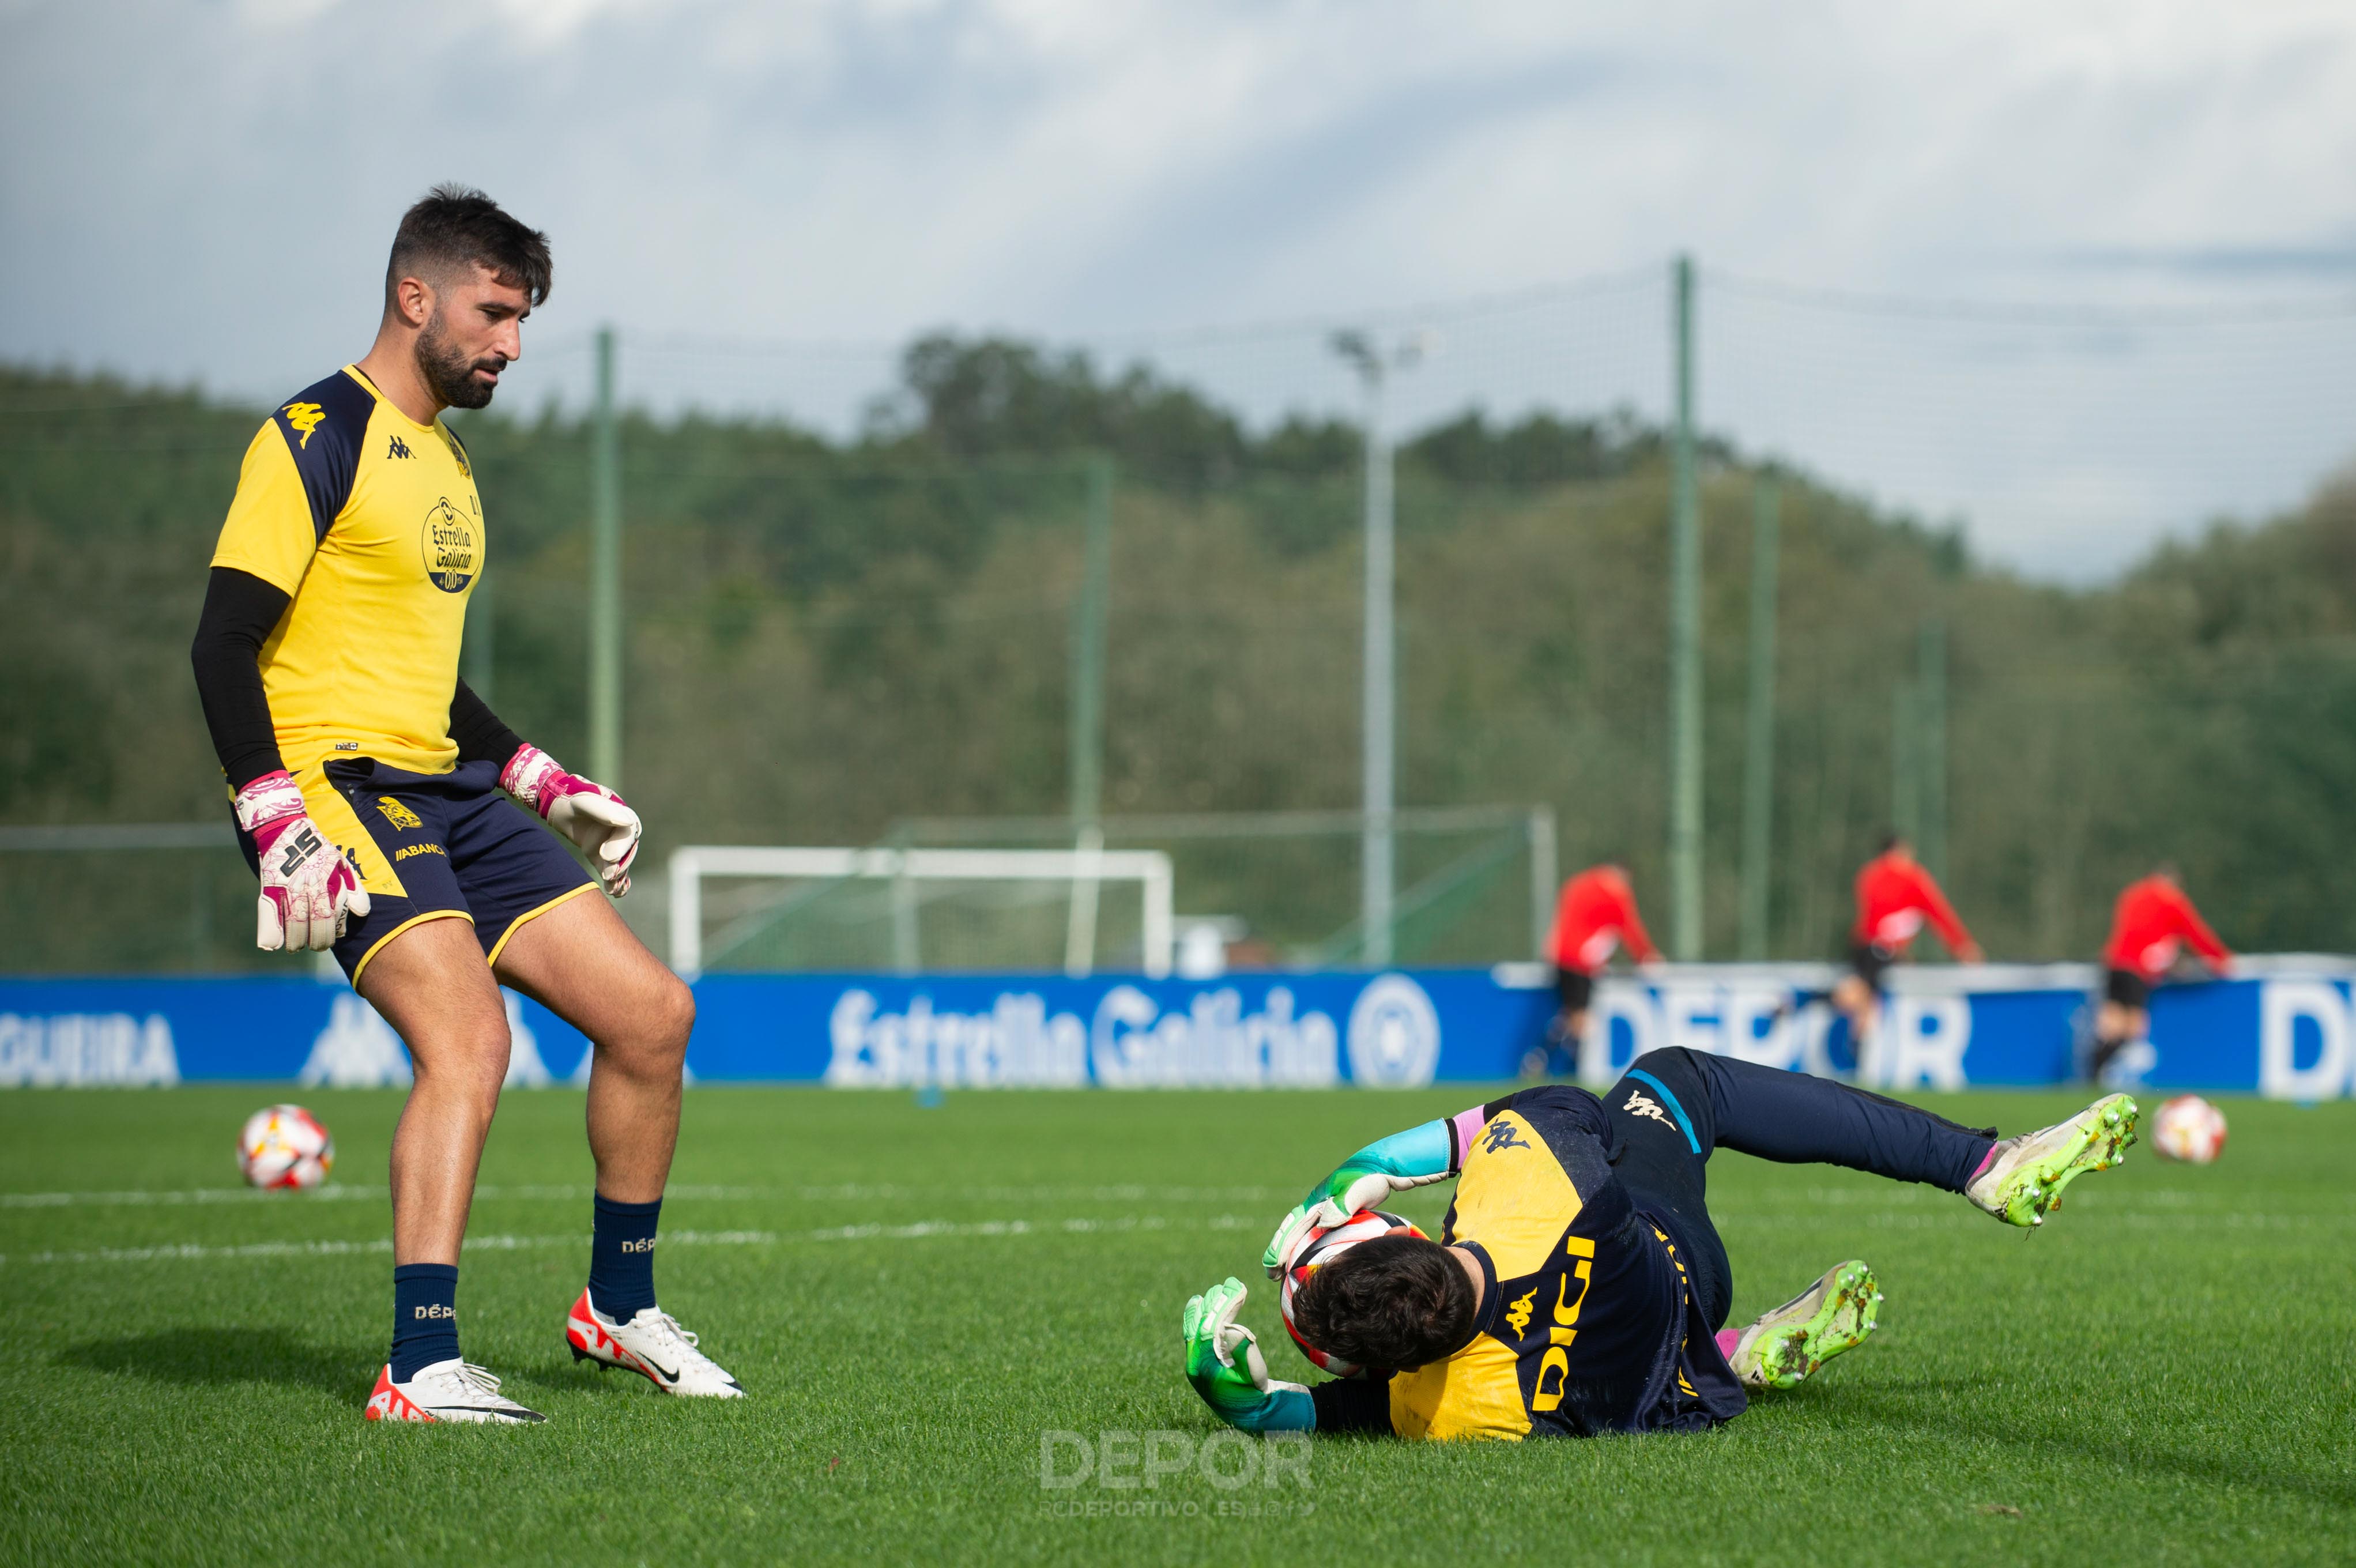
(1674, 1106)
(433, 846)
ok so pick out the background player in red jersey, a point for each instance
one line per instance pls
(1895, 894)
(2150, 925)
(1595, 917)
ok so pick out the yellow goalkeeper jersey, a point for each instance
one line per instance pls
(370, 521)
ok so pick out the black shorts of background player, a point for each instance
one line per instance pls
(1869, 961)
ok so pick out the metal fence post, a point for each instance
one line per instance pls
(1930, 746)
(1088, 616)
(1758, 739)
(1905, 779)
(1543, 878)
(1086, 724)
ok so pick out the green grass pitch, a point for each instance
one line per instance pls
(915, 1295)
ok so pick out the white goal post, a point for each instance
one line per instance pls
(1084, 868)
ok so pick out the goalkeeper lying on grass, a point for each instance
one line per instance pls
(1578, 1287)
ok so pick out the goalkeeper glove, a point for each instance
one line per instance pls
(1241, 1395)
(591, 815)
(308, 889)
(1417, 1157)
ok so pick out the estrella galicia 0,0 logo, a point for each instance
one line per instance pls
(452, 546)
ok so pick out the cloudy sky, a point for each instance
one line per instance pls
(2079, 275)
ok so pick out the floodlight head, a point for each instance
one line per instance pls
(1423, 343)
(1359, 349)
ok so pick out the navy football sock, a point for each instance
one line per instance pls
(424, 1316)
(622, 1258)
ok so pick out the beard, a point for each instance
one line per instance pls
(450, 370)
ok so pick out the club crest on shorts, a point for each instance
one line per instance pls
(399, 815)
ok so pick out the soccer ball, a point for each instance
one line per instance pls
(1322, 1247)
(2189, 1128)
(285, 1147)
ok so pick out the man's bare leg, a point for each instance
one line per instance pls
(431, 984)
(1857, 1003)
(581, 962)
(2115, 1025)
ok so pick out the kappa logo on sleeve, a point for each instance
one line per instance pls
(304, 418)
(1640, 1104)
(1502, 1136)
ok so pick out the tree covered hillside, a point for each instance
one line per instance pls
(826, 637)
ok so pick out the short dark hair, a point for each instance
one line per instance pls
(456, 226)
(1892, 839)
(1395, 1302)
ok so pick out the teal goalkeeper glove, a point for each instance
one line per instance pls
(1241, 1395)
(1417, 1157)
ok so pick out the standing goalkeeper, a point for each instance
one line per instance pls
(366, 780)
(1578, 1286)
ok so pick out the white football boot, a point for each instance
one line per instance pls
(454, 1389)
(651, 1343)
(2025, 1175)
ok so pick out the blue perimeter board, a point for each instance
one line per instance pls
(2288, 1036)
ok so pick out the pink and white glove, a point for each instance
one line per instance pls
(591, 815)
(309, 891)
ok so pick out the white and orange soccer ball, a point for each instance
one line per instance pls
(285, 1147)
(1322, 1247)
(2189, 1128)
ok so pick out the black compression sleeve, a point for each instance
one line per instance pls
(241, 611)
(1353, 1405)
(480, 735)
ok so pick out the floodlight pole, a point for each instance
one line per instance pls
(1379, 695)
(1685, 641)
(604, 578)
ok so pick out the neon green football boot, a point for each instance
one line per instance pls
(1831, 1315)
(2022, 1181)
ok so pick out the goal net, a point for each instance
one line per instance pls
(734, 907)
